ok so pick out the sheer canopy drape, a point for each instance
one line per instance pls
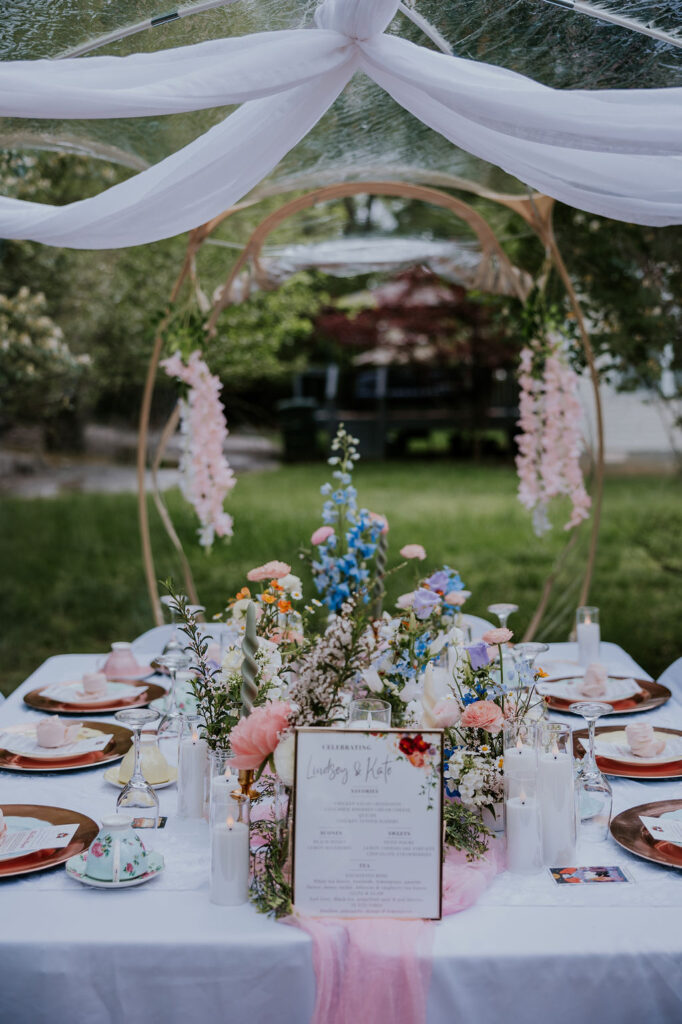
(611, 152)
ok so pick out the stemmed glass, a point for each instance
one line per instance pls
(502, 611)
(595, 796)
(173, 643)
(524, 655)
(175, 661)
(137, 793)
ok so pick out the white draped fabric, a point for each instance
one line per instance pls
(612, 152)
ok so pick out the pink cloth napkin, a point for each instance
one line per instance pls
(379, 969)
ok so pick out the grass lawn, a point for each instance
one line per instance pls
(73, 581)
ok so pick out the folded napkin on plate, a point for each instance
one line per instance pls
(72, 693)
(24, 742)
(643, 741)
(617, 748)
(594, 682)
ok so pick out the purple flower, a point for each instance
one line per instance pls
(478, 655)
(439, 581)
(424, 602)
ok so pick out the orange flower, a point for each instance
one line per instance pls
(284, 606)
(274, 585)
(541, 674)
(244, 592)
(268, 598)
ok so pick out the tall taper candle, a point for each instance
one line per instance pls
(249, 667)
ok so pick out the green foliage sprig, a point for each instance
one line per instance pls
(464, 830)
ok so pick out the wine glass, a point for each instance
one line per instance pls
(595, 796)
(173, 643)
(170, 725)
(502, 611)
(137, 793)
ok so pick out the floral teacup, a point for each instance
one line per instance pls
(121, 663)
(117, 853)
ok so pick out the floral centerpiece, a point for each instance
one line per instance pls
(304, 668)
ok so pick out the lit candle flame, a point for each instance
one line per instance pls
(230, 821)
(522, 795)
(555, 748)
(519, 745)
(195, 734)
(228, 774)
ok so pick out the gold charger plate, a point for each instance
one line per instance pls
(117, 747)
(651, 695)
(39, 860)
(627, 769)
(629, 832)
(150, 691)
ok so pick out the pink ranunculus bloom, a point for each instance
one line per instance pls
(497, 636)
(269, 571)
(446, 712)
(413, 551)
(484, 714)
(322, 533)
(97, 849)
(376, 518)
(456, 598)
(405, 600)
(254, 738)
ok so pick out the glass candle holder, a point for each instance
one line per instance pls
(588, 634)
(520, 751)
(230, 855)
(556, 794)
(192, 768)
(369, 713)
(523, 831)
(222, 780)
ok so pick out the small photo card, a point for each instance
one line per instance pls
(582, 876)
(663, 829)
(368, 814)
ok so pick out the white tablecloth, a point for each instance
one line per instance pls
(529, 951)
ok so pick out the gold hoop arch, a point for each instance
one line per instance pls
(536, 210)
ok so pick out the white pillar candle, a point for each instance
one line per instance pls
(520, 760)
(191, 776)
(524, 846)
(221, 795)
(589, 639)
(557, 807)
(229, 863)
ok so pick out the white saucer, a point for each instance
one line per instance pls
(75, 868)
(111, 776)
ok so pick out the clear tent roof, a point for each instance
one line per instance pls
(365, 134)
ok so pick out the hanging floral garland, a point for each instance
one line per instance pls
(551, 441)
(205, 474)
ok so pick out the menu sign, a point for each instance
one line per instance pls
(368, 813)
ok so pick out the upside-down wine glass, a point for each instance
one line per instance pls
(137, 793)
(524, 655)
(594, 791)
(502, 611)
(171, 722)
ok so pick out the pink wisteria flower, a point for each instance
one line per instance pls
(484, 714)
(502, 635)
(206, 477)
(322, 533)
(255, 738)
(269, 571)
(413, 551)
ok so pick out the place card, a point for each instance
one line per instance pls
(28, 840)
(663, 829)
(368, 811)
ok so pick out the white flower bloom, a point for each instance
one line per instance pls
(373, 680)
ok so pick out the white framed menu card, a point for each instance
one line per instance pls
(368, 814)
